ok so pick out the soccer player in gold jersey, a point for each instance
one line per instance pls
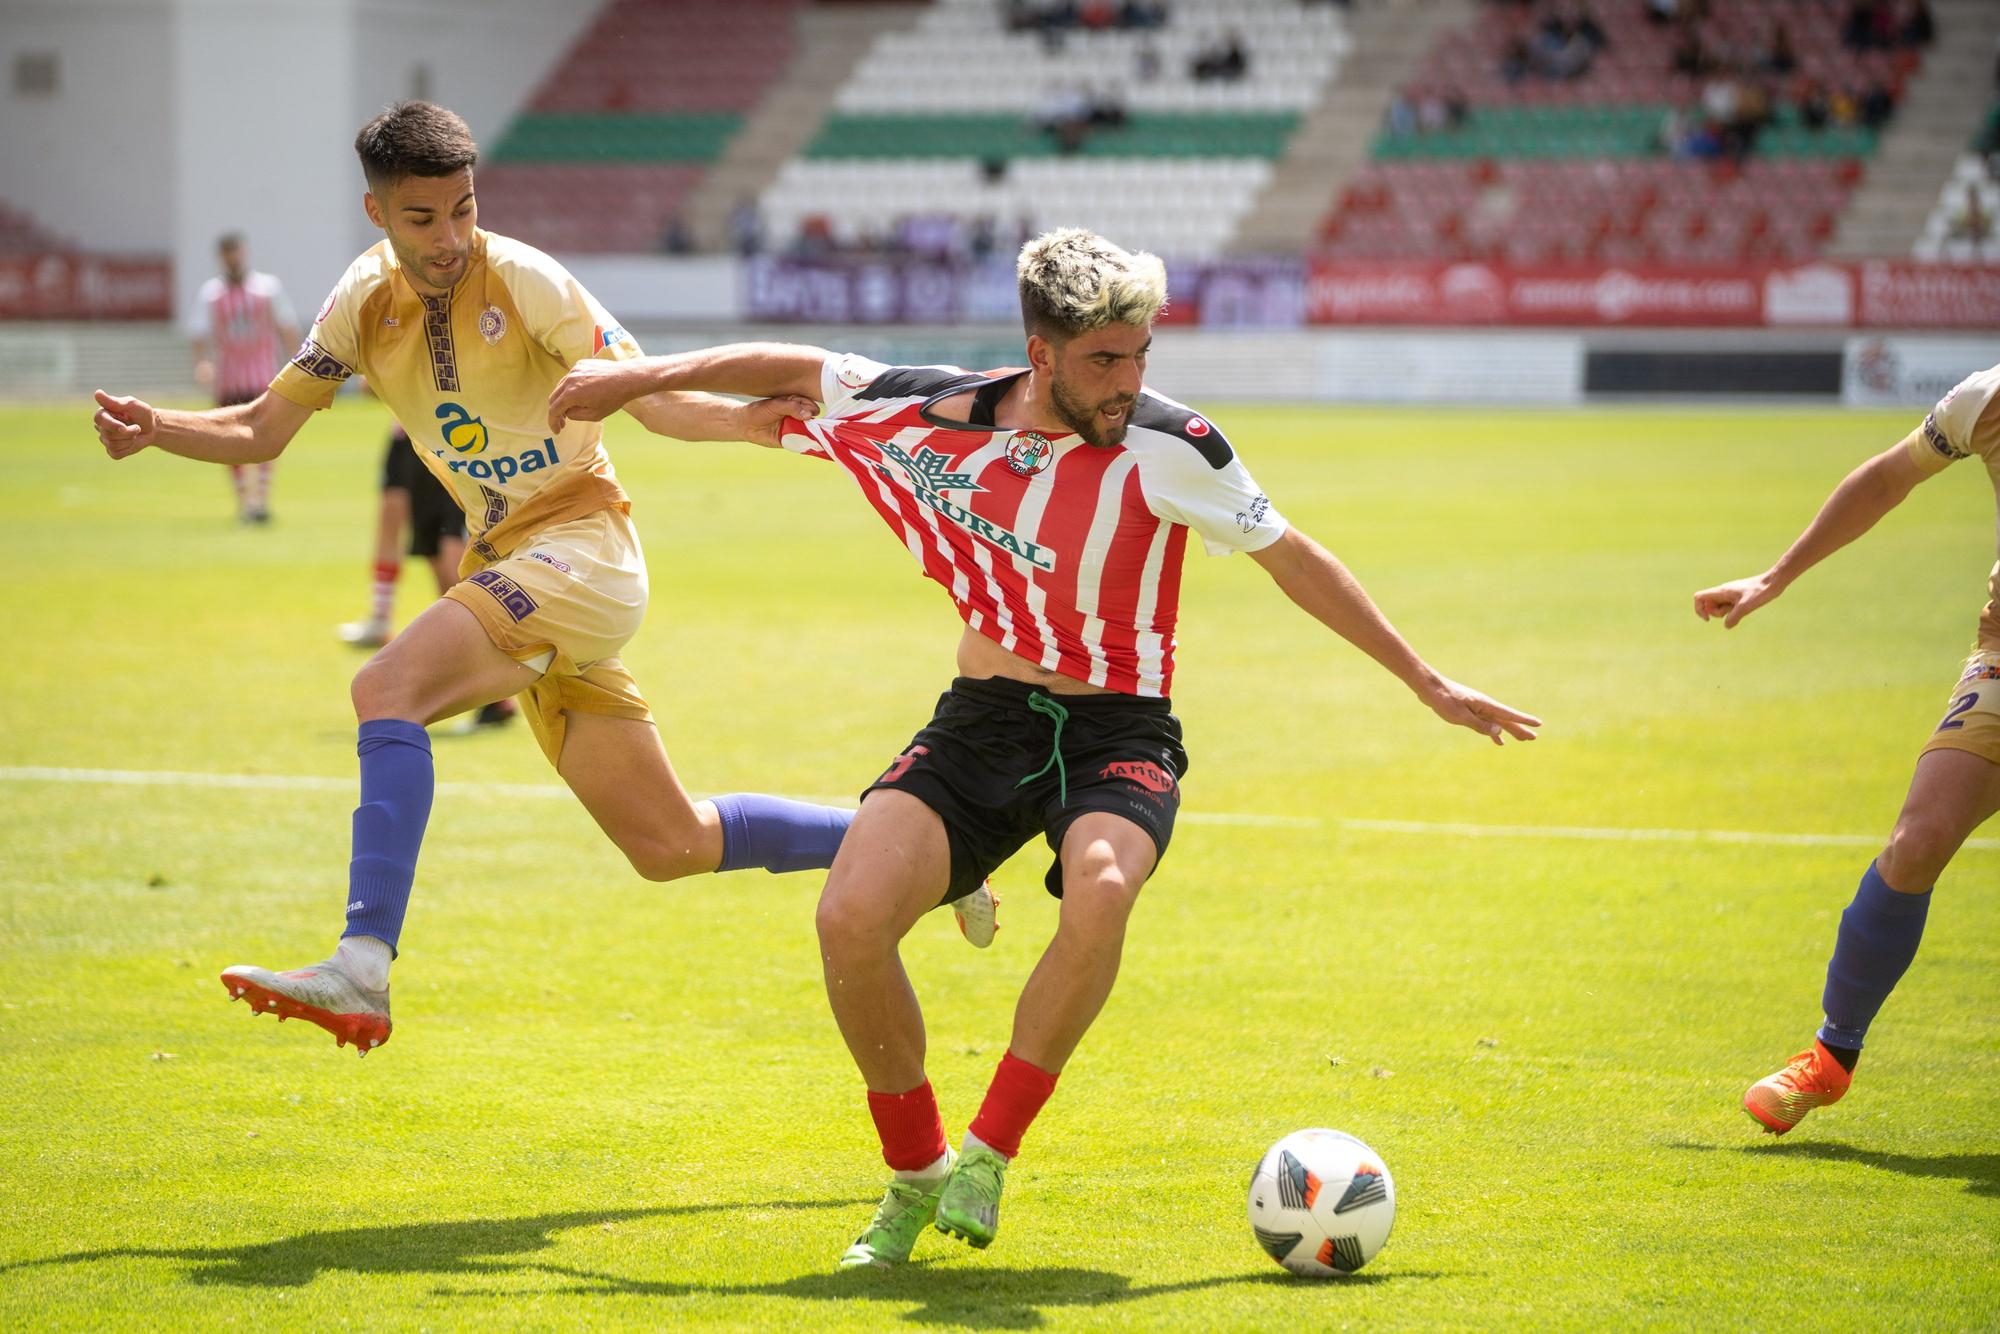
(463, 334)
(1957, 782)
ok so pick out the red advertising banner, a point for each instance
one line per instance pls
(84, 287)
(1898, 294)
(1822, 294)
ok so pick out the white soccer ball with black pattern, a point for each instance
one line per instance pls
(1321, 1203)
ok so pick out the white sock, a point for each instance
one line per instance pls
(972, 1141)
(366, 960)
(930, 1173)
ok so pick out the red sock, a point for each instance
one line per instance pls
(910, 1128)
(1013, 1100)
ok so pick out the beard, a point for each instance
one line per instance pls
(1083, 418)
(420, 264)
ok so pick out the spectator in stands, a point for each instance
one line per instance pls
(1812, 104)
(982, 237)
(1401, 120)
(1691, 58)
(1223, 60)
(1919, 27)
(676, 238)
(1972, 222)
(1864, 27)
(1660, 13)
(1142, 15)
(1515, 60)
(1097, 15)
(1563, 48)
(1876, 104)
(1778, 57)
(1065, 115)
(746, 226)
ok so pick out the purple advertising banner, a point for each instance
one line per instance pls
(1219, 294)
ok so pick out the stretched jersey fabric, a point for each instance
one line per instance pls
(469, 374)
(241, 322)
(1065, 553)
(1966, 424)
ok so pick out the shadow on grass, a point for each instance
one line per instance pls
(471, 1246)
(949, 1294)
(959, 1295)
(1979, 1171)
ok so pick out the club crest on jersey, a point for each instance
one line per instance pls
(492, 325)
(463, 432)
(1197, 428)
(1029, 453)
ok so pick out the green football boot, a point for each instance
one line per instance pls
(906, 1209)
(969, 1208)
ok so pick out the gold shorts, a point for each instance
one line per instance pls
(1972, 719)
(565, 602)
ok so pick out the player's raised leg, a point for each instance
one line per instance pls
(442, 664)
(893, 867)
(1953, 793)
(1105, 860)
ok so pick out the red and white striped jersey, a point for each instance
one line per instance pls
(1065, 553)
(241, 322)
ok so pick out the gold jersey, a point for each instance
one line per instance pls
(468, 375)
(1966, 424)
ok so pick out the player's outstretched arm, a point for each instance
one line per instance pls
(1856, 505)
(686, 416)
(1313, 577)
(595, 388)
(253, 432)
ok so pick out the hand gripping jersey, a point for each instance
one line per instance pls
(1966, 423)
(469, 375)
(1065, 553)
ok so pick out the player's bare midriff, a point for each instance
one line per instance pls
(980, 657)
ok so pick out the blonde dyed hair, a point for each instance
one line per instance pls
(1074, 281)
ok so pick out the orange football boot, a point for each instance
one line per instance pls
(1810, 1079)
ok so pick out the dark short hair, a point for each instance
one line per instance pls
(229, 241)
(414, 139)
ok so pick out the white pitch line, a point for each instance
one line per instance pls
(1444, 829)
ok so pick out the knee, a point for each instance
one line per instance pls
(847, 927)
(1100, 897)
(373, 691)
(1918, 849)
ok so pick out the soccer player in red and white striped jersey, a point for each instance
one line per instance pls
(1054, 504)
(243, 328)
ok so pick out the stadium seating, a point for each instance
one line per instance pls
(1541, 170)
(626, 123)
(939, 122)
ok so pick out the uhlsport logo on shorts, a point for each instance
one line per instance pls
(463, 432)
(1028, 453)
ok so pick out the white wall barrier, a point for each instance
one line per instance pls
(1899, 371)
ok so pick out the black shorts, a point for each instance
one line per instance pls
(1120, 753)
(434, 515)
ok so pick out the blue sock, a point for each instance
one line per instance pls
(396, 786)
(777, 834)
(1878, 937)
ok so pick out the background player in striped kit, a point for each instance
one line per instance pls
(242, 327)
(1054, 504)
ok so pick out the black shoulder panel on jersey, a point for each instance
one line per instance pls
(1154, 413)
(917, 382)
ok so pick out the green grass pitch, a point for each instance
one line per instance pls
(611, 1103)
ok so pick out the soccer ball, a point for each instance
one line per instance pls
(1321, 1203)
